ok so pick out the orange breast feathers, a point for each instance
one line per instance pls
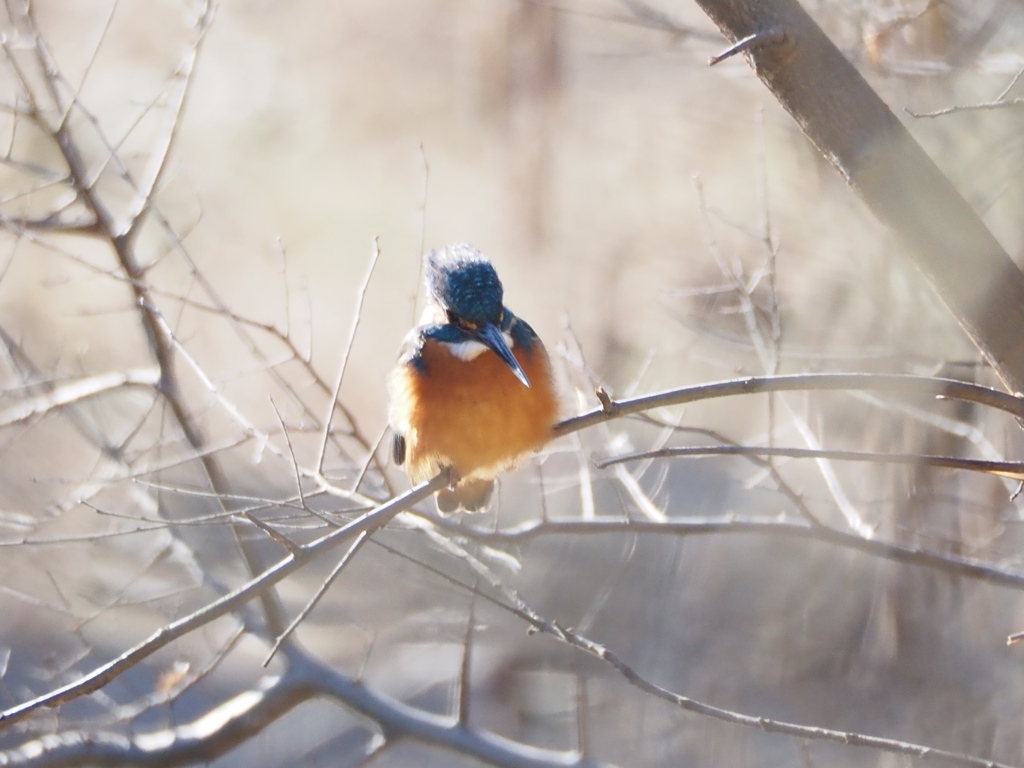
(472, 415)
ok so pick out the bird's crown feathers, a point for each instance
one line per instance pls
(463, 282)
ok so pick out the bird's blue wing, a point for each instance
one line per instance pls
(398, 448)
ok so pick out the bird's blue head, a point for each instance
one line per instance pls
(464, 284)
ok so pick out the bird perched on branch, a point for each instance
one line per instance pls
(473, 391)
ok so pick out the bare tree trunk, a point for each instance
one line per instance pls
(848, 122)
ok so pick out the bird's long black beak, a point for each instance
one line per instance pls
(490, 334)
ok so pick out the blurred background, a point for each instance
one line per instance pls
(658, 221)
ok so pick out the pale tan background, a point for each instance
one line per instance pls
(564, 144)
(560, 143)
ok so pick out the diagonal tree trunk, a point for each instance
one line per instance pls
(848, 122)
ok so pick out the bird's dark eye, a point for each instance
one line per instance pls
(461, 322)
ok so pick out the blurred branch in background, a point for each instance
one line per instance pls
(205, 558)
(858, 133)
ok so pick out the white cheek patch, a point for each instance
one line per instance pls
(469, 350)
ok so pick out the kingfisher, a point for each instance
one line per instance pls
(473, 391)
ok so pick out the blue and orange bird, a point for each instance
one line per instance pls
(473, 391)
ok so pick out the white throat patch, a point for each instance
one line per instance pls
(469, 350)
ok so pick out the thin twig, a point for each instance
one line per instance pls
(466, 665)
(354, 328)
(423, 234)
(320, 592)
(1010, 469)
(981, 107)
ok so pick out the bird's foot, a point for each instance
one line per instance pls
(472, 495)
(454, 478)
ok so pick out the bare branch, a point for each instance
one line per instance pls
(599, 651)
(226, 604)
(466, 667)
(734, 524)
(857, 132)
(72, 392)
(1010, 469)
(353, 330)
(894, 746)
(356, 545)
(983, 106)
(240, 718)
(897, 383)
